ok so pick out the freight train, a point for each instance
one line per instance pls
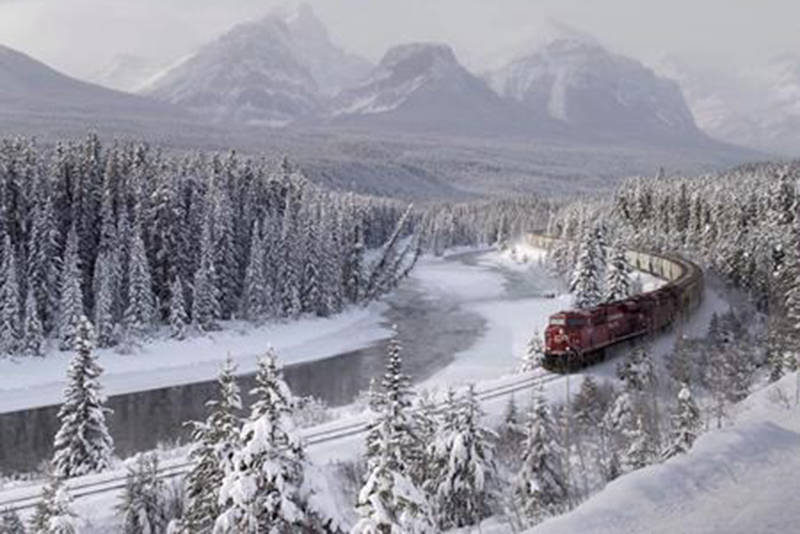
(574, 339)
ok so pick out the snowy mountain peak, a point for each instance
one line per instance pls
(271, 72)
(580, 83)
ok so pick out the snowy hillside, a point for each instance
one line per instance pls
(743, 479)
(577, 81)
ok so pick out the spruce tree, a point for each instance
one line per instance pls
(264, 488)
(178, 319)
(82, 444)
(70, 308)
(10, 523)
(140, 313)
(104, 302)
(53, 513)
(586, 277)
(534, 355)
(205, 298)
(213, 445)
(33, 332)
(466, 475)
(255, 298)
(618, 276)
(10, 331)
(641, 450)
(540, 487)
(142, 504)
(686, 424)
(389, 500)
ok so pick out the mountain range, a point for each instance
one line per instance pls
(567, 115)
(284, 69)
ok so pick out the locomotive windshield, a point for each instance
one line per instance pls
(576, 321)
(558, 321)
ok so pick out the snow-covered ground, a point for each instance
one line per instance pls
(742, 479)
(32, 382)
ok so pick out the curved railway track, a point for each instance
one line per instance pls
(79, 489)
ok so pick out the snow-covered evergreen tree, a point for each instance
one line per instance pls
(534, 354)
(178, 320)
(256, 294)
(541, 486)
(10, 523)
(10, 331)
(205, 299)
(618, 276)
(53, 513)
(264, 488)
(142, 504)
(641, 451)
(104, 303)
(390, 500)
(140, 313)
(686, 424)
(465, 472)
(586, 283)
(637, 372)
(70, 308)
(214, 442)
(33, 331)
(82, 444)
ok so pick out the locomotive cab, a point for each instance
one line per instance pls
(564, 335)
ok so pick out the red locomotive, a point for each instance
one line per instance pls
(576, 338)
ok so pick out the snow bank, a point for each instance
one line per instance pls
(743, 479)
(32, 382)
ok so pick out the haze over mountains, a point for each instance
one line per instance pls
(567, 114)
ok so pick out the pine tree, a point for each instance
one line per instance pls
(540, 487)
(587, 406)
(71, 302)
(140, 313)
(254, 301)
(213, 445)
(104, 300)
(466, 474)
(534, 355)
(53, 513)
(264, 489)
(10, 331)
(178, 319)
(641, 451)
(389, 500)
(10, 523)
(618, 276)
(686, 424)
(82, 444)
(205, 300)
(33, 333)
(586, 278)
(142, 505)
(637, 372)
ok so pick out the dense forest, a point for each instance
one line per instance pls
(135, 238)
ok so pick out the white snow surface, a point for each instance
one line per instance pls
(742, 479)
(33, 382)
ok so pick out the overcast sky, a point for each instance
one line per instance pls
(81, 36)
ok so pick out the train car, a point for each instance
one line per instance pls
(576, 338)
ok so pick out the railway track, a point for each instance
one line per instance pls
(80, 489)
